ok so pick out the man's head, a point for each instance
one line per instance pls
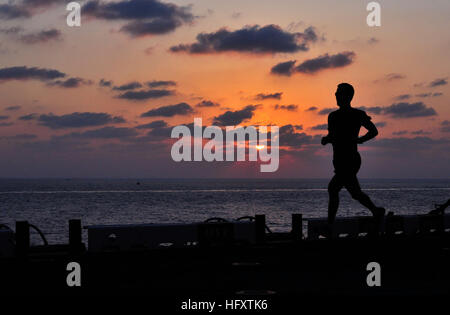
(344, 94)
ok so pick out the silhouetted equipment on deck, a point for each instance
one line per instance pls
(215, 232)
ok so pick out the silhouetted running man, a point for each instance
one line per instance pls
(343, 134)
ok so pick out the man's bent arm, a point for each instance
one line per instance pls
(371, 133)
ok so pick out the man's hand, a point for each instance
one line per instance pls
(360, 140)
(325, 140)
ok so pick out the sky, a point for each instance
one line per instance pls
(101, 99)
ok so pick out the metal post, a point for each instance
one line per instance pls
(22, 238)
(74, 235)
(260, 227)
(297, 227)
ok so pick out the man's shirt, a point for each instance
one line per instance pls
(343, 129)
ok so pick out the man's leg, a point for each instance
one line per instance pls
(334, 187)
(353, 187)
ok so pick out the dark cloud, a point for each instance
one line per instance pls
(314, 65)
(326, 62)
(41, 36)
(4, 117)
(403, 144)
(391, 77)
(408, 110)
(155, 26)
(42, 3)
(70, 83)
(420, 132)
(250, 39)
(400, 133)
(77, 120)
(402, 97)
(26, 8)
(445, 126)
(290, 107)
(153, 125)
(311, 109)
(5, 124)
(145, 94)
(283, 68)
(28, 73)
(12, 108)
(28, 117)
(381, 124)
(129, 86)
(170, 110)
(423, 95)
(233, 118)
(109, 132)
(264, 96)
(377, 110)
(320, 127)
(437, 94)
(438, 82)
(145, 17)
(105, 83)
(205, 103)
(155, 84)
(289, 137)
(12, 11)
(326, 111)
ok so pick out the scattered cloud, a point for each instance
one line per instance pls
(159, 83)
(145, 94)
(70, 83)
(206, 103)
(28, 117)
(144, 17)
(438, 82)
(29, 73)
(311, 109)
(105, 83)
(268, 96)
(391, 77)
(108, 132)
(250, 39)
(320, 127)
(233, 118)
(153, 124)
(43, 36)
(283, 68)
(13, 108)
(408, 110)
(445, 126)
(326, 111)
(13, 11)
(128, 86)
(75, 120)
(315, 65)
(402, 97)
(290, 107)
(170, 110)
(290, 137)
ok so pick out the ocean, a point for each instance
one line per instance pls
(50, 203)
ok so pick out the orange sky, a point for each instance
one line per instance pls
(412, 41)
